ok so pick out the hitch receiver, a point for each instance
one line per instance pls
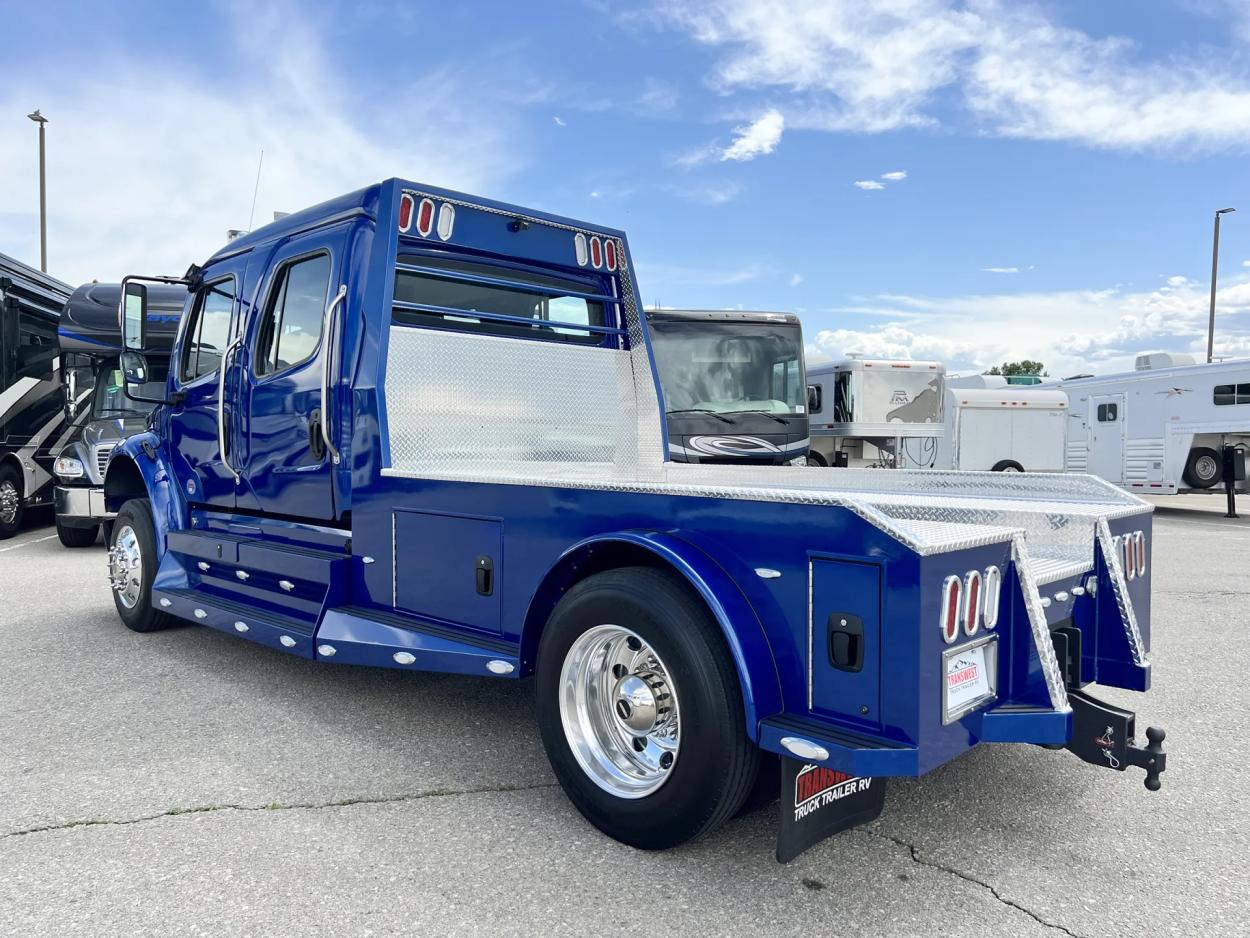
(1104, 735)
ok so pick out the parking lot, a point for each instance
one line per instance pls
(187, 782)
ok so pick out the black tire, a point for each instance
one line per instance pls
(1007, 465)
(136, 518)
(767, 787)
(77, 537)
(1203, 468)
(12, 505)
(815, 459)
(716, 764)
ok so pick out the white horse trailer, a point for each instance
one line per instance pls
(875, 412)
(1006, 428)
(1158, 430)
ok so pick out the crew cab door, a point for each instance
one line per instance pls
(198, 466)
(285, 465)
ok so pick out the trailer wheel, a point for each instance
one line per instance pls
(815, 459)
(1202, 468)
(132, 567)
(77, 537)
(641, 711)
(11, 506)
(1007, 465)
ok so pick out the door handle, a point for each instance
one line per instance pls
(327, 329)
(221, 405)
(846, 641)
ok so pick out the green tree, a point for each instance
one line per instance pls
(1025, 366)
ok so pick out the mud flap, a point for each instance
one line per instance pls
(817, 802)
(1104, 735)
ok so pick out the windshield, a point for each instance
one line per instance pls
(730, 367)
(111, 401)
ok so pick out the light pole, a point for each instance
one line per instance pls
(1215, 266)
(43, 194)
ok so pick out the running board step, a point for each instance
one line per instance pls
(267, 628)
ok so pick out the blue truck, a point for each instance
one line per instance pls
(412, 428)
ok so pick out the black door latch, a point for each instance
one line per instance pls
(846, 641)
(485, 576)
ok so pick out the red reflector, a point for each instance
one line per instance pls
(972, 603)
(951, 590)
(425, 218)
(405, 212)
(596, 253)
(609, 250)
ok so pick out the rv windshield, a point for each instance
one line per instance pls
(110, 400)
(730, 367)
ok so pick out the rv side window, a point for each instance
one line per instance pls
(1108, 413)
(843, 404)
(208, 332)
(36, 347)
(431, 294)
(291, 328)
(1232, 394)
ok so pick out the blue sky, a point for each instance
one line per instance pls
(968, 181)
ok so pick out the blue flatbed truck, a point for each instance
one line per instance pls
(416, 429)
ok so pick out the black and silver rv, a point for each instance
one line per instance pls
(733, 384)
(32, 420)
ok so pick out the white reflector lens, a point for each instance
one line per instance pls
(1139, 552)
(446, 220)
(972, 602)
(952, 589)
(579, 246)
(992, 587)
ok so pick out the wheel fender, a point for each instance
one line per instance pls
(738, 621)
(137, 470)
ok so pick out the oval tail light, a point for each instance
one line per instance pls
(992, 588)
(406, 206)
(972, 602)
(952, 592)
(1139, 552)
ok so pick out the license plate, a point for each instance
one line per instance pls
(969, 677)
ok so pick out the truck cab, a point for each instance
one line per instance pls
(418, 429)
(103, 411)
(733, 383)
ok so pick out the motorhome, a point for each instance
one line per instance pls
(89, 337)
(876, 413)
(734, 390)
(32, 420)
(1159, 429)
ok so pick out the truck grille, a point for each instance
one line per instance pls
(102, 453)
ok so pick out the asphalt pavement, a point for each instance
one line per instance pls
(191, 783)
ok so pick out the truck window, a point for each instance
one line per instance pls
(208, 332)
(511, 302)
(291, 327)
(1232, 394)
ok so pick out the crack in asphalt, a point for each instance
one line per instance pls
(274, 806)
(914, 852)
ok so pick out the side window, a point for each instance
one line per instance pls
(291, 326)
(1108, 413)
(1232, 394)
(208, 332)
(36, 347)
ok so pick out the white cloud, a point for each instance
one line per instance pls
(998, 67)
(1178, 281)
(148, 168)
(868, 184)
(897, 176)
(712, 193)
(796, 279)
(756, 139)
(559, 121)
(1001, 270)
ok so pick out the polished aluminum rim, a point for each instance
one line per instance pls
(126, 566)
(1205, 468)
(8, 502)
(618, 705)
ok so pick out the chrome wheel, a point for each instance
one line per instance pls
(1206, 468)
(618, 706)
(9, 501)
(126, 567)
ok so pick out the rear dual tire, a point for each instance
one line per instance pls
(640, 709)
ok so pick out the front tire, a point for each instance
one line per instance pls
(11, 503)
(641, 711)
(132, 567)
(77, 537)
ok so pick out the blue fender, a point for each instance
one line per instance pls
(740, 625)
(142, 454)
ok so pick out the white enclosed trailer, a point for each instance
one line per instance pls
(875, 412)
(1007, 428)
(1158, 430)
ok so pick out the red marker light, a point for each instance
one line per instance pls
(972, 602)
(596, 252)
(952, 588)
(405, 212)
(425, 218)
(609, 248)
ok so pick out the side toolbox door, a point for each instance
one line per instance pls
(204, 346)
(286, 466)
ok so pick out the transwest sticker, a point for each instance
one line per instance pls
(968, 678)
(817, 802)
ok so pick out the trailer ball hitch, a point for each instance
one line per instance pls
(1104, 735)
